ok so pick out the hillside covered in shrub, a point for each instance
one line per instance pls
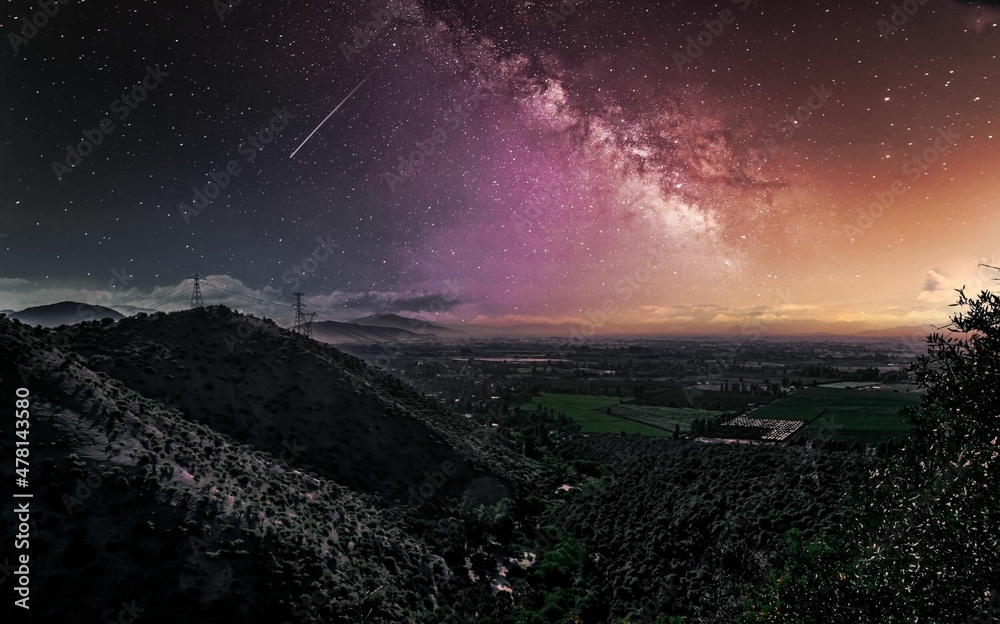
(207, 466)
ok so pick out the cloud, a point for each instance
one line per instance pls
(940, 289)
(17, 294)
(934, 282)
(388, 301)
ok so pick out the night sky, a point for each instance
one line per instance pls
(585, 163)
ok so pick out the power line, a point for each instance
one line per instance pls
(333, 316)
(336, 316)
(153, 301)
(248, 297)
(235, 284)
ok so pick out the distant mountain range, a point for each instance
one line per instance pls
(394, 327)
(837, 329)
(410, 325)
(806, 328)
(337, 332)
(63, 313)
(382, 328)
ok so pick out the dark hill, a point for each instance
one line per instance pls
(216, 468)
(418, 326)
(64, 313)
(275, 390)
(134, 503)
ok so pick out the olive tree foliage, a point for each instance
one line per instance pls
(957, 422)
(933, 549)
(923, 544)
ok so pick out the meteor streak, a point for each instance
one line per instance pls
(331, 113)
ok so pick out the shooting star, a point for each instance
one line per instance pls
(331, 113)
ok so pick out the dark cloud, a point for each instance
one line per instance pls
(934, 281)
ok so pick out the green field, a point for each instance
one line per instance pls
(703, 399)
(846, 414)
(582, 408)
(833, 413)
(851, 384)
(663, 417)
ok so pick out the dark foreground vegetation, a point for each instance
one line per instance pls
(209, 467)
(922, 543)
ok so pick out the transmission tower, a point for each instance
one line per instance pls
(303, 321)
(196, 300)
(309, 325)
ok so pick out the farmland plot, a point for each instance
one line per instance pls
(749, 428)
(664, 417)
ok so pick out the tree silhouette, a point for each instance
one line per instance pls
(924, 543)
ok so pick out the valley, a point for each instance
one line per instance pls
(473, 480)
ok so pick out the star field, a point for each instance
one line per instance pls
(664, 166)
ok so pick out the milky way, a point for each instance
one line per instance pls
(659, 166)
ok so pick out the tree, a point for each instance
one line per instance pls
(923, 543)
(960, 410)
